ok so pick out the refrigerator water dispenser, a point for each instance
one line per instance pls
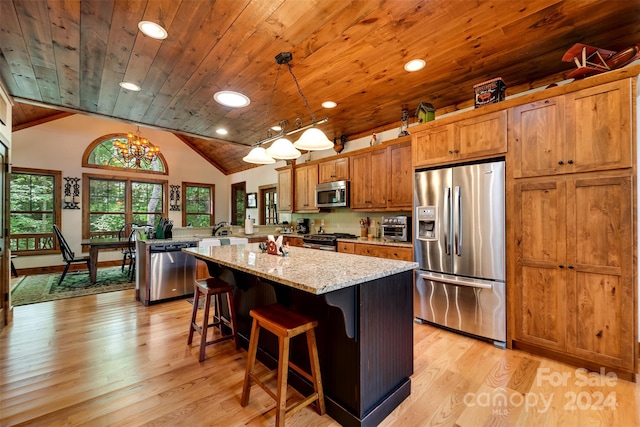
(428, 223)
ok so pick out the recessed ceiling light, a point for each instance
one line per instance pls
(329, 104)
(130, 86)
(152, 30)
(231, 99)
(221, 131)
(414, 65)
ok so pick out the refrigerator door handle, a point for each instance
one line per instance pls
(459, 281)
(458, 210)
(447, 219)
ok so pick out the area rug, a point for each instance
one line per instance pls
(44, 287)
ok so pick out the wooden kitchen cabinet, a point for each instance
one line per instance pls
(382, 251)
(285, 190)
(306, 179)
(538, 138)
(369, 180)
(334, 170)
(346, 247)
(598, 127)
(400, 177)
(293, 241)
(574, 284)
(587, 130)
(476, 137)
(541, 245)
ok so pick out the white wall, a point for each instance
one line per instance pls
(60, 144)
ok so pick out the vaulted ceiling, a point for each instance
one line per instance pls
(68, 56)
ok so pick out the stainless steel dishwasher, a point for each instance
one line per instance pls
(171, 272)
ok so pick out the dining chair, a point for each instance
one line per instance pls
(67, 254)
(129, 251)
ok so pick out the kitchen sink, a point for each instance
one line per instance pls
(216, 241)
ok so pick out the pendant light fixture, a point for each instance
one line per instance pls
(259, 156)
(312, 139)
(282, 148)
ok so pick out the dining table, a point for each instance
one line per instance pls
(97, 244)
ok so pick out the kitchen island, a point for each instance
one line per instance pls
(365, 313)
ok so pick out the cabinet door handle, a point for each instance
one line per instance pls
(450, 152)
(570, 161)
(456, 151)
(561, 266)
(561, 162)
(571, 267)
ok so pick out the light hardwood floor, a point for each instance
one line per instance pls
(106, 360)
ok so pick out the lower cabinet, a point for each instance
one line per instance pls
(574, 267)
(294, 241)
(380, 251)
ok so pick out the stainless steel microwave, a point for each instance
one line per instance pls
(332, 194)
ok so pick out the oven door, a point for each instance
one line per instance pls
(394, 232)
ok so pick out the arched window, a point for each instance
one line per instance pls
(102, 154)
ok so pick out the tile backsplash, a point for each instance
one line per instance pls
(343, 220)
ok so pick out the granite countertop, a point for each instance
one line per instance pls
(310, 270)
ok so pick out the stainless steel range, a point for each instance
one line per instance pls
(325, 242)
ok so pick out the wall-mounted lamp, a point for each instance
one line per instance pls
(71, 193)
(174, 198)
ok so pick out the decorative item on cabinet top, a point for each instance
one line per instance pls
(71, 200)
(338, 146)
(425, 112)
(174, 198)
(489, 92)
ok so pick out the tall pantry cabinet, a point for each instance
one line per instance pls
(571, 158)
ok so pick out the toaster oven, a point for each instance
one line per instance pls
(396, 228)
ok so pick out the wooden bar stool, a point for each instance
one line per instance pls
(213, 287)
(285, 324)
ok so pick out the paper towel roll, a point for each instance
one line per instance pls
(248, 226)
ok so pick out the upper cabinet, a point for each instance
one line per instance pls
(306, 179)
(476, 137)
(598, 127)
(400, 187)
(582, 131)
(382, 177)
(334, 170)
(369, 183)
(538, 138)
(285, 189)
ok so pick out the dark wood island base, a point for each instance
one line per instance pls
(364, 336)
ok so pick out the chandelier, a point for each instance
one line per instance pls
(136, 149)
(312, 138)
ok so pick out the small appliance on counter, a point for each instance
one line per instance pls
(248, 225)
(303, 226)
(397, 228)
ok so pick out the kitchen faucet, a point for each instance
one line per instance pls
(217, 227)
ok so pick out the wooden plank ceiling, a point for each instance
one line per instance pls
(70, 55)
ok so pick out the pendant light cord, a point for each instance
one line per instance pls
(273, 92)
(313, 117)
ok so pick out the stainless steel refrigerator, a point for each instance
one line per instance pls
(460, 248)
